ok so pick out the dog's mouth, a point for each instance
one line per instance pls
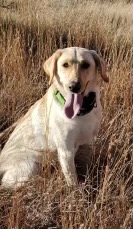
(73, 104)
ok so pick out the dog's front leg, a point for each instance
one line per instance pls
(66, 159)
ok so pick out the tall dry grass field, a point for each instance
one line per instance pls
(30, 31)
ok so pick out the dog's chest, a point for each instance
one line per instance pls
(85, 133)
(86, 129)
(78, 131)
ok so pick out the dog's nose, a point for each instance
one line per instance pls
(75, 87)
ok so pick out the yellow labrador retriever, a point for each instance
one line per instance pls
(67, 117)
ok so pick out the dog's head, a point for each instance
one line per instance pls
(75, 69)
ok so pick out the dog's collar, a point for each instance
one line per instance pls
(89, 102)
(59, 97)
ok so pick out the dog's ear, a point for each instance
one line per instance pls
(50, 65)
(100, 64)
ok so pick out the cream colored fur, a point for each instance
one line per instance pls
(46, 127)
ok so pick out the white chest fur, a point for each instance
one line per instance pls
(71, 133)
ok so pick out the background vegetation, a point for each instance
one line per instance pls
(30, 31)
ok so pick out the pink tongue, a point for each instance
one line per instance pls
(73, 105)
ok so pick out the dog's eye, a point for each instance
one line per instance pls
(65, 65)
(85, 65)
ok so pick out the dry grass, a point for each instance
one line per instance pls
(30, 31)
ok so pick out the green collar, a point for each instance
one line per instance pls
(59, 97)
(89, 102)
